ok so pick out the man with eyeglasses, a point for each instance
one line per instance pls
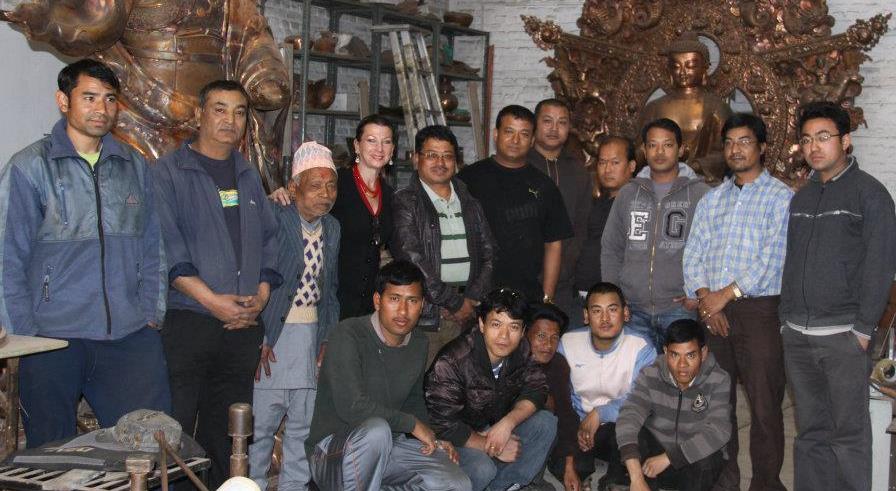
(840, 262)
(732, 264)
(442, 229)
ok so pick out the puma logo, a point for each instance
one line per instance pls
(534, 192)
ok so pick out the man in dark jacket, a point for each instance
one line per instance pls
(566, 168)
(673, 428)
(840, 260)
(221, 243)
(82, 260)
(297, 319)
(615, 168)
(484, 395)
(442, 229)
(370, 397)
(547, 325)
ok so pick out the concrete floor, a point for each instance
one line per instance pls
(743, 423)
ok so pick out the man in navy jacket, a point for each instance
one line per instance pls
(221, 242)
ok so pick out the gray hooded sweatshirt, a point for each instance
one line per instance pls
(644, 239)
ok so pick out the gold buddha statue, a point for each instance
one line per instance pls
(699, 112)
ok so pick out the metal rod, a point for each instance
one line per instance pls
(163, 462)
(306, 61)
(180, 462)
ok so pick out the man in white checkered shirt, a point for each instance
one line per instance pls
(733, 262)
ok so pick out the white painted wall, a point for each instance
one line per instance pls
(27, 85)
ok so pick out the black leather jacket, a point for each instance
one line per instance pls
(463, 396)
(417, 238)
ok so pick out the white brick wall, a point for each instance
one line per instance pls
(519, 75)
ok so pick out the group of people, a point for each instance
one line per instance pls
(533, 316)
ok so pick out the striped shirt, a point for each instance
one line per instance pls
(739, 234)
(455, 266)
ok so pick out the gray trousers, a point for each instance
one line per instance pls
(829, 378)
(369, 458)
(271, 405)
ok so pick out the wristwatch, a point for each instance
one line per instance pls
(547, 299)
(738, 294)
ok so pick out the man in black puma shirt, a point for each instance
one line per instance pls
(524, 209)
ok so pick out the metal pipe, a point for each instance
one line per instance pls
(160, 437)
(240, 429)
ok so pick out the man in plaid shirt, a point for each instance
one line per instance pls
(733, 263)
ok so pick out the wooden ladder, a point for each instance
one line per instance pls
(416, 82)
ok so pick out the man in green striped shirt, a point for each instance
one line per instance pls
(442, 229)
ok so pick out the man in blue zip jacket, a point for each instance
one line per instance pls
(221, 243)
(81, 259)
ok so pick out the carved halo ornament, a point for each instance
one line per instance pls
(777, 53)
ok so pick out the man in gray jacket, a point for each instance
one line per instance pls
(645, 235)
(839, 265)
(673, 428)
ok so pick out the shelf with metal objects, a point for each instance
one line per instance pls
(382, 89)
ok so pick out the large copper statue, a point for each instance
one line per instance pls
(164, 51)
(699, 112)
(777, 53)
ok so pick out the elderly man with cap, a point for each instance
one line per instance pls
(297, 318)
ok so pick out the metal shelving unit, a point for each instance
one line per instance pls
(376, 13)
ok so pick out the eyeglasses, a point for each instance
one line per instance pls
(822, 137)
(741, 142)
(444, 157)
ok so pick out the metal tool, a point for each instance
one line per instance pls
(240, 429)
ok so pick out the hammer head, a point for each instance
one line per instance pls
(139, 464)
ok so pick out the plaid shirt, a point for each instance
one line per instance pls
(739, 235)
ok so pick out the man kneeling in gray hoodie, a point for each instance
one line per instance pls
(677, 416)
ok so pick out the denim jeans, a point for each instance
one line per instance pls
(116, 377)
(536, 436)
(653, 327)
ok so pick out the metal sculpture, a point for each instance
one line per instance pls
(778, 53)
(164, 52)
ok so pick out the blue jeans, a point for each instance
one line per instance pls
(536, 436)
(653, 327)
(116, 377)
